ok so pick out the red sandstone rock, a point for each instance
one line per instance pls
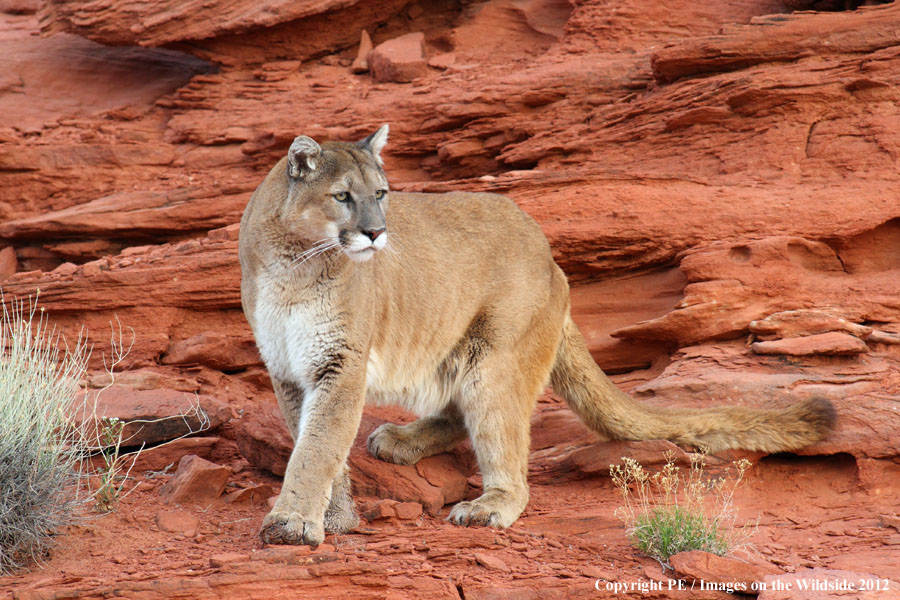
(833, 343)
(361, 62)
(8, 262)
(598, 457)
(263, 438)
(372, 477)
(802, 322)
(217, 561)
(491, 562)
(433, 482)
(442, 61)
(732, 284)
(883, 337)
(178, 521)
(19, 6)
(197, 481)
(737, 574)
(68, 76)
(408, 510)
(256, 495)
(295, 555)
(271, 71)
(400, 60)
(153, 415)
(145, 379)
(129, 213)
(824, 583)
(166, 22)
(795, 39)
(443, 471)
(215, 350)
(181, 275)
(382, 509)
(168, 455)
(556, 427)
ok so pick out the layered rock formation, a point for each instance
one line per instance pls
(720, 183)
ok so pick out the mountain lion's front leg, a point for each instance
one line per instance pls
(328, 421)
(341, 515)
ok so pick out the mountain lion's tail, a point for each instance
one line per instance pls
(609, 411)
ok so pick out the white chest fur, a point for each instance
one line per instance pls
(291, 337)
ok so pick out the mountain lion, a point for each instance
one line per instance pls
(449, 305)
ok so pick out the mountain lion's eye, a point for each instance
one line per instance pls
(380, 194)
(342, 197)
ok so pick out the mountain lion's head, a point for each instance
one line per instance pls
(338, 195)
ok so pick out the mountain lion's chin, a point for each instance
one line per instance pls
(360, 255)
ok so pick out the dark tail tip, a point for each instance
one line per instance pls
(820, 414)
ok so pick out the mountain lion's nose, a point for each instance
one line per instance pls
(372, 234)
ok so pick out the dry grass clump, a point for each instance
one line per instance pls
(40, 452)
(57, 454)
(668, 512)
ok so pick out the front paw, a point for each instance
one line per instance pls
(283, 527)
(341, 519)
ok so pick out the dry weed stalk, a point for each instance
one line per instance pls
(668, 512)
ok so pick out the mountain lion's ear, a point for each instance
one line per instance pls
(375, 142)
(303, 156)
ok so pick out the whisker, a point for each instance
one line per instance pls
(318, 250)
(394, 243)
(305, 255)
(314, 248)
(307, 251)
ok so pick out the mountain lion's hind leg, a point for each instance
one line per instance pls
(497, 415)
(408, 444)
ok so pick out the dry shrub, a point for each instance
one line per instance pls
(40, 452)
(669, 511)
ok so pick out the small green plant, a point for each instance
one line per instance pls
(668, 512)
(110, 487)
(40, 451)
(114, 468)
(102, 435)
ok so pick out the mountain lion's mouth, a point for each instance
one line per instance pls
(359, 247)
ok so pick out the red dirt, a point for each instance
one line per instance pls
(813, 512)
(698, 168)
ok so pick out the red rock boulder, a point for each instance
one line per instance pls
(400, 60)
(197, 481)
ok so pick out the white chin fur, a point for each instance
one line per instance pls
(360, 255)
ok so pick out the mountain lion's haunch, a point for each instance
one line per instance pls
(447, 304)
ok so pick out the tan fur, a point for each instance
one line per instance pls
(462, 317)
